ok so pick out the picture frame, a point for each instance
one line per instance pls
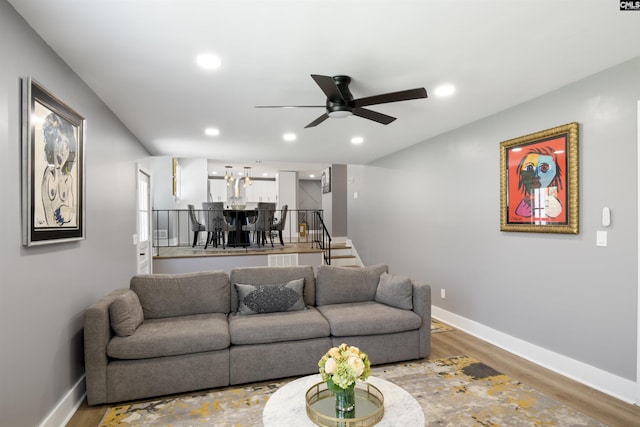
(325, 181)
(53, 174)
(539, 181)
(176, 178)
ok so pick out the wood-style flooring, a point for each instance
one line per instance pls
(605, 408)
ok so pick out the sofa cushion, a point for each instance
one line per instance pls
(274, 275)
(253, 299)
(173, 295)
(368, 318)
(277, 327)
(337, 285)
(396, 291)
(125, 313)
(173, 336)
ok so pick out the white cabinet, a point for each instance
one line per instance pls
(258, 191)
(218, 190)
(262, 191)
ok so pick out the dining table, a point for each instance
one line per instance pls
(238, 218)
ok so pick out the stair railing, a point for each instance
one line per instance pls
(324, 240)
(172, 228)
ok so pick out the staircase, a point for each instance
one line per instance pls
(344, 255)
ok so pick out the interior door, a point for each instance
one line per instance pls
(144, 222)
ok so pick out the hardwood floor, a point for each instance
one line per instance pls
(598, 405)
(608, 410)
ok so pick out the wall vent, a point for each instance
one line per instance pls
(160, 234)
(285, 260)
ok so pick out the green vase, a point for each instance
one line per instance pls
(346, 400)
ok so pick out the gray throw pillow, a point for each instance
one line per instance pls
(254, 299)
(125, 313)
(396, 291)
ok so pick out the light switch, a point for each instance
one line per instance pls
(601, 238)
(606, 217)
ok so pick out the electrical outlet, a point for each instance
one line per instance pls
(443, 294)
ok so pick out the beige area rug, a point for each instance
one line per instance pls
(454, 392)
(437, 326)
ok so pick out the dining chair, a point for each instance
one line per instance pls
(280, 223)
(216, 224)
(196, 226)
(263, 222)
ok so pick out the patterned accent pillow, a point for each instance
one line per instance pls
(255, 299)
(396, 291)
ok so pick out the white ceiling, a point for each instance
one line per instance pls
(139, 57)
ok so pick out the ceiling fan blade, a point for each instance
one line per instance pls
(403, 95)
(290, 106)
(328, 86)
(373, 115)
(317, 121)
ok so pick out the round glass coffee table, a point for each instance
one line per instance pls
(287, 406)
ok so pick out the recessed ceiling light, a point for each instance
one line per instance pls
(311, 175)
(289, 137)
(357, 140)
(212, 131)
(445, 90)
(208, 61)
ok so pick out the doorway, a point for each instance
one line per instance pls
(144, 221)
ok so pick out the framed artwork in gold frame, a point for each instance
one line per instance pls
(539, 181)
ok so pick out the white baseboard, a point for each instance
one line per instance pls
(596, 378)
(354, 251)
(67, 406)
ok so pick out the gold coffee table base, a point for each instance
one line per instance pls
(320, 403)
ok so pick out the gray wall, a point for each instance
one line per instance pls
(557, 291)
(432, 211)
(334, 203)
(45, 290)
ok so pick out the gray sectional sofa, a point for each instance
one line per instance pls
(168, 334)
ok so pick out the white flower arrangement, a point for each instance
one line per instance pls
(341, 366)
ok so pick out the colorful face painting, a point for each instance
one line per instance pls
(536, 177)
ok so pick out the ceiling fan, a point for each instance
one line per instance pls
(340, 102)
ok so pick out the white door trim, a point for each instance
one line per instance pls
(144, 256)
(638, 264)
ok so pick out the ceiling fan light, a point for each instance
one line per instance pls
(340, 114)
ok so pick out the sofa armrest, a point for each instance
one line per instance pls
(422, 307)
(97, 333)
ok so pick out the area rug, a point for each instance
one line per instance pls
(437, 326)
(454, 392)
